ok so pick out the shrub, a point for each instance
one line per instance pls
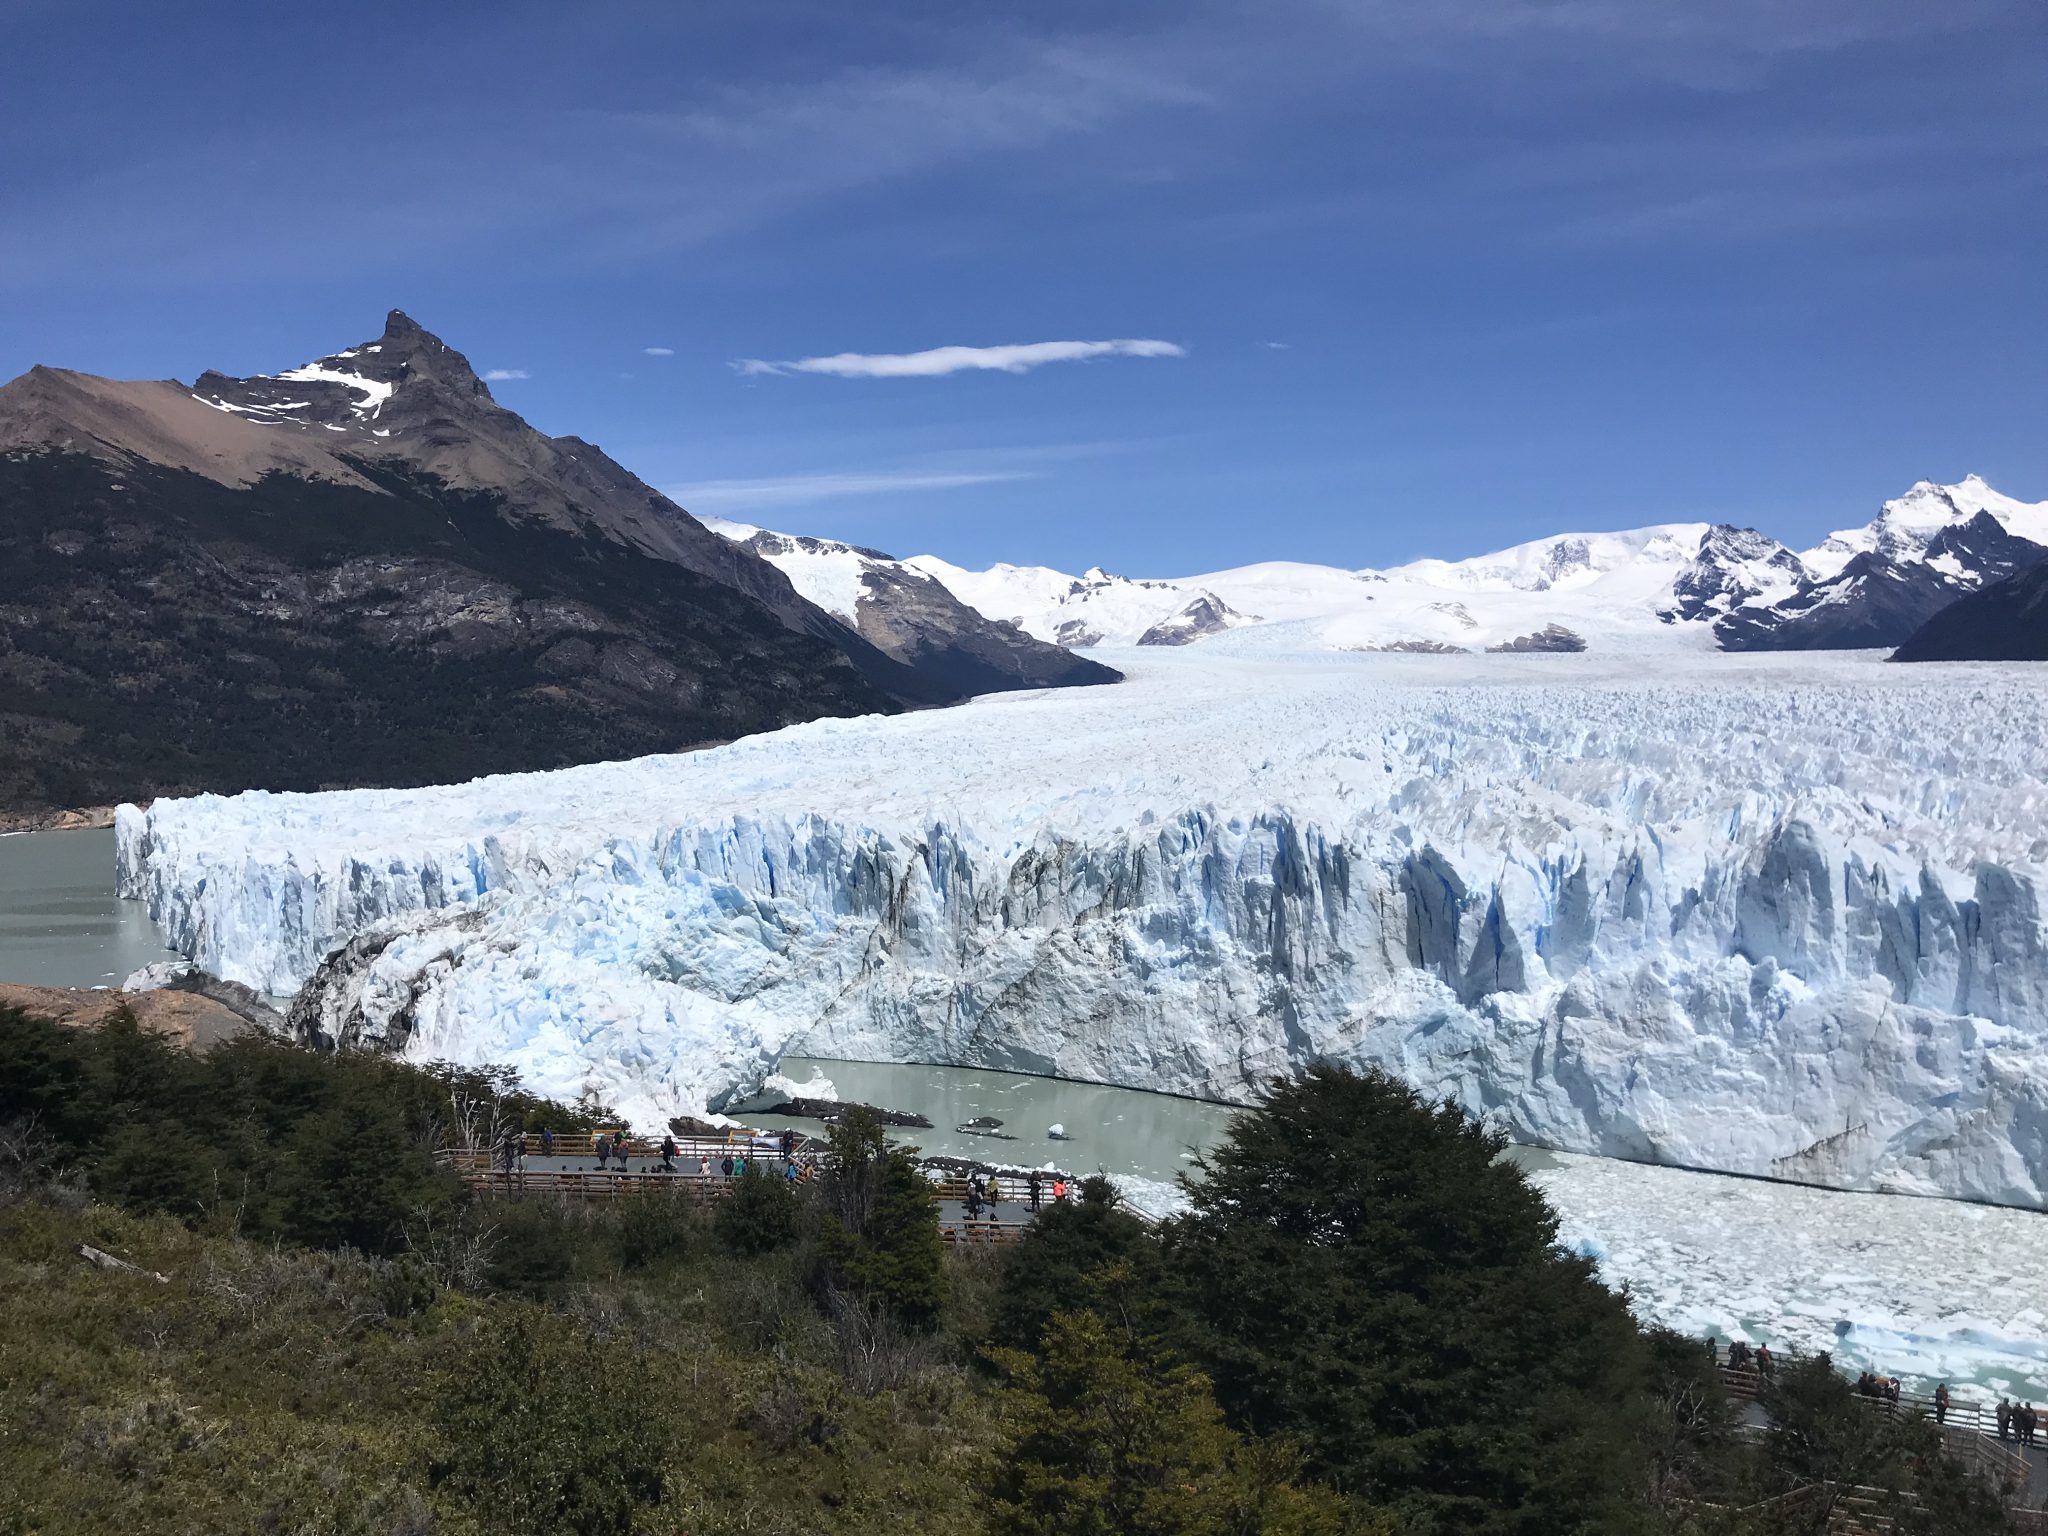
(654, 1226)
(547, 1431)
(758, 1214)
(880, 1238)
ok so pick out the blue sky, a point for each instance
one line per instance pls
(1419, 276)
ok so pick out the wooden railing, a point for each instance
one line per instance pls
(751, 1143)
(589, 1184)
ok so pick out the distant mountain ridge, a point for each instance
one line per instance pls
(911, 616)
(1684, 585)
(364, 570)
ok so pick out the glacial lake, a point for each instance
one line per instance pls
(60, 922)
(1925, 1289)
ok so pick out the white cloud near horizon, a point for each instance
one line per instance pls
(715, 496)
(659, 351)
(500, 375)
(936, 362)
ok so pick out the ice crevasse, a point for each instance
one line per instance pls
(1768, 915)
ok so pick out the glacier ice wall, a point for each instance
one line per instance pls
(1773, 916)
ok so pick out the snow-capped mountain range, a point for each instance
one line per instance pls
(1670, 585)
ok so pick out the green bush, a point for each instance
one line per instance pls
(546, 1430)
(533, 1245)
(758, 1213)
(1110, 1439)
(656, 1226)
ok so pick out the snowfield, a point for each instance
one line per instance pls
(1764, 914)
(1657, 588)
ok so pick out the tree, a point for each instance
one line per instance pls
(1068, 1244)
(1109, 1439)
(1362, 1270)
(549, 1431)
(758, 1214)
(880, 1239)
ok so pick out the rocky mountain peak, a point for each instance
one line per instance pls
(375, 389)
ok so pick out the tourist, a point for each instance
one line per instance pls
(739, 1165)
(619, 1150)
(788, 1145)
(789, 1173)
(1941, 1403)
(547, 1142)
(1763, 1359)
(668, 1154)
(725, 1165)
(2028, 1423)
(994, 1191)
(1059, 1188)
(1036, 1185)
(2004, 1416)
(1891, 1391)
(604, 1151)
(973, 1201)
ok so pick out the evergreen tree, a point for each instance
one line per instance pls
(880, 1238)
(1364, 1271)
(1056, 1265)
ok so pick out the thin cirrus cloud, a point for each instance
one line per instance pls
(500, 375)
(938, 361)
(722, 496)
(659, 351)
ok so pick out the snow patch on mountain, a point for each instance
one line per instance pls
(823, 571)
(1771, 915)
(374, 391)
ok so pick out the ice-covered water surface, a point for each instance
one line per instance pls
(1773, 915)
(1928, 1290)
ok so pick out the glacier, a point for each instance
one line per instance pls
(1771, 915)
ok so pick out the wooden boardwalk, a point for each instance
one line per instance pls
(699, 1176)
(1969, 1430)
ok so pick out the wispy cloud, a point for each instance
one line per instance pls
(1277, 346)
(802, 490)
(500, 375)
(936, 361)
(659, 351)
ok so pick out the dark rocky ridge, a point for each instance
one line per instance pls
(2006, 621)
(1878, 600)
(202, 598)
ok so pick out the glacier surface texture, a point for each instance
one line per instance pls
(1772, 915)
